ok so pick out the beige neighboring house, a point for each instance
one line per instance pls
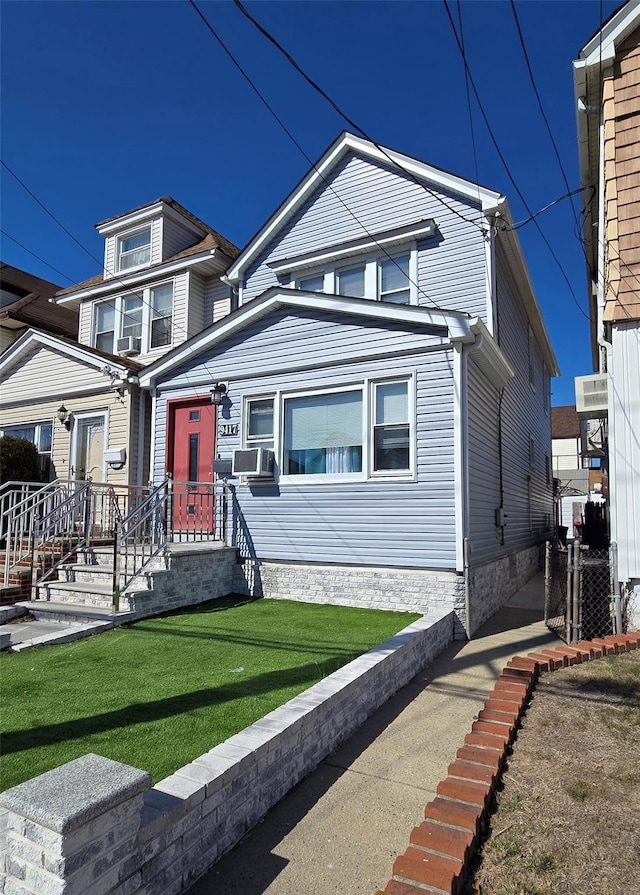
(79, 401)
(607, 88)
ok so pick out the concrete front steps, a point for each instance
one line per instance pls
(189, 573)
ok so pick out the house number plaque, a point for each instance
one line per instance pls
(228, 429)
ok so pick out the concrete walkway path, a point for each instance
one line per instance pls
(339, 830)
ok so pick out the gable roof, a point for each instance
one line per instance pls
(31, 306)
(124, 366)
(459, 327)
(565, 422)
(345, 144)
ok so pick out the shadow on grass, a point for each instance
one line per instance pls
(156, 626)
(140, 713)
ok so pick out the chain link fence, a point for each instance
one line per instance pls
(580, 601)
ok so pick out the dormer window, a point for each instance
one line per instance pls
(133, 250)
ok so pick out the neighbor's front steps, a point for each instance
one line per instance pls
(441, 849)
(84, 590)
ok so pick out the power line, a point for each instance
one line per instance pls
(344, 115)
(302, 151)
(506, 167)
(128, 289)
(541, 107)
(37, 257)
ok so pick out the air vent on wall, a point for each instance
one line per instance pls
(591, 395)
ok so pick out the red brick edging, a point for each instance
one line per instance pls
(442, 848)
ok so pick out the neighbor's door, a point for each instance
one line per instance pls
(192, 433)
(88, 448)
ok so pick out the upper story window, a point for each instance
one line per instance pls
(394, 283)
(387, 279)
(161, 315)
(133, 250)
(312, 284)
(350, 281)
(144, 319)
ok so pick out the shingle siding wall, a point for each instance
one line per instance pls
(363, 198)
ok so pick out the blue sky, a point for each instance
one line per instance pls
(109, 105)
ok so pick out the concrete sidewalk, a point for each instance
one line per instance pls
(339, 830)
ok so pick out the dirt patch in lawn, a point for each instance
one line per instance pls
(568, 817)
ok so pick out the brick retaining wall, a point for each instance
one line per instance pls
(442, 848)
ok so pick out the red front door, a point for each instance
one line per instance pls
(192, 426)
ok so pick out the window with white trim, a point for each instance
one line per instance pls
(133, 249)
(146, 315)
(393, 280)
(323, 434)
(391, 427)
(388, 278)
(355, 432)
(259, 422)
(104, 326)
(41, 435)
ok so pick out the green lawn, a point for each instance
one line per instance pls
(158, 693)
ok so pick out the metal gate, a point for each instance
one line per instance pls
(582, 600)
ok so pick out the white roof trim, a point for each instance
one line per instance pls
(602, 46)
(118, 284)
(33, 338)
(147, 214)
(489, 357)
(420, 230)
(457, 324)
(350, 143)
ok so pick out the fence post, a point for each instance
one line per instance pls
(576, 610)
(169, 507)
(615, 587)
(34, 559)
(116, 577)
(547, 579)
(568, 602)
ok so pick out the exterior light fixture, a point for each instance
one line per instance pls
(218, 392)
(63, 415)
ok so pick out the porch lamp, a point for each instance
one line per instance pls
(63, 415)
(218, 392)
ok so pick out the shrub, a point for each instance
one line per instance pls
(19, 460)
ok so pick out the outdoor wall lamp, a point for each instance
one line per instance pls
(218, 392)
(63, 415)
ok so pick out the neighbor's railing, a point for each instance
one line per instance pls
(88, 515)
(21, 503)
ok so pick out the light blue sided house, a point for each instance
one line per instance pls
(387, 405)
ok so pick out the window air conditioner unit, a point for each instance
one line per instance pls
(128, 346)
(591, 396)
(253, 463)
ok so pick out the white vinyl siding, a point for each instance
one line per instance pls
(624, 449)
(217, 301)
(176, 238)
